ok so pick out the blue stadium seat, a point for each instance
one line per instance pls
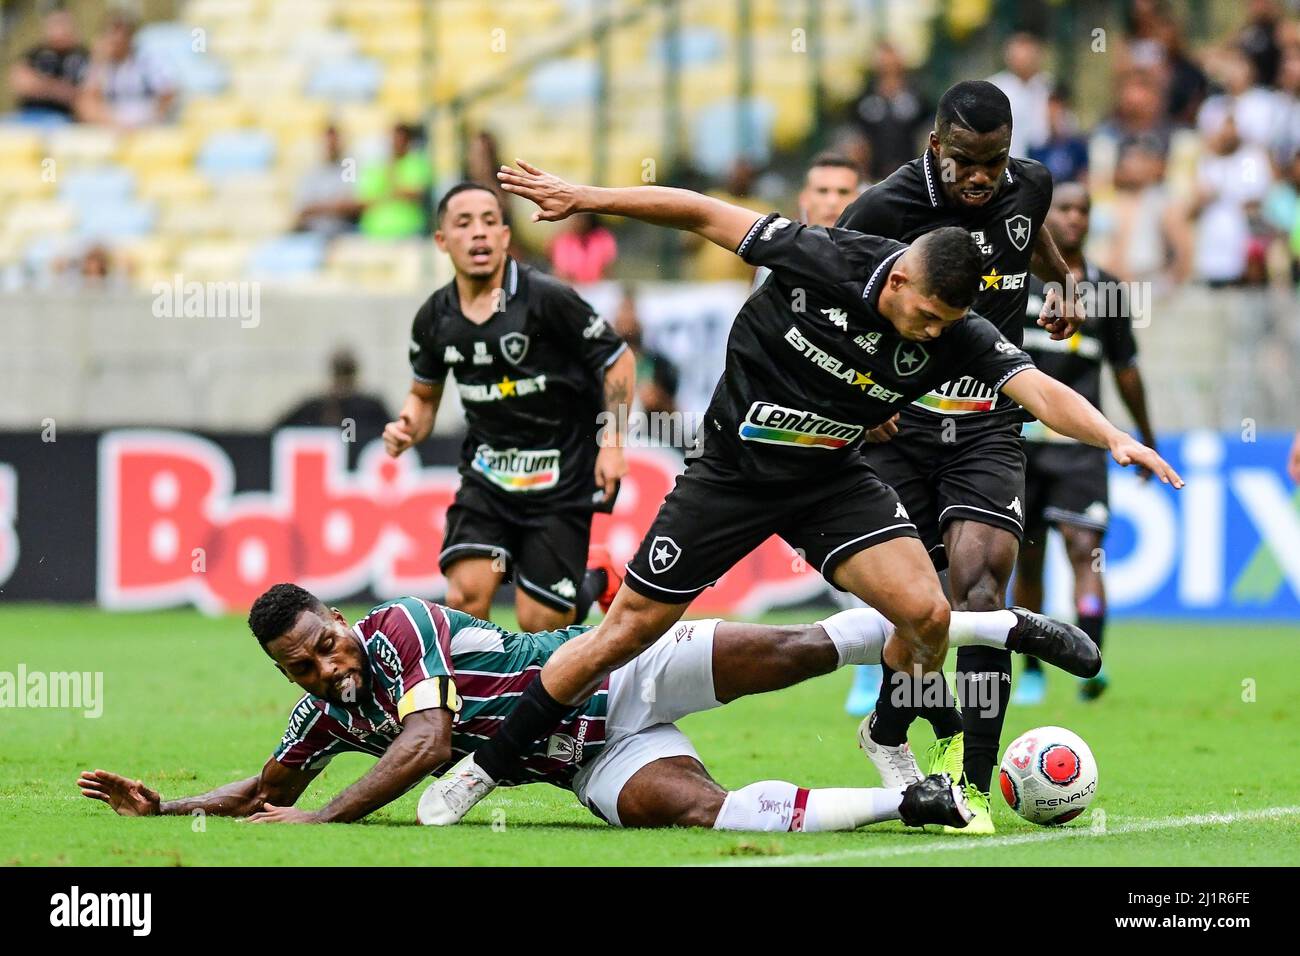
(356, 78)
(236, 151)
(103, 184)
(115, 219)
(695, 46)
(198, 72)
(715, 139)
(288, 256)
(563, 83)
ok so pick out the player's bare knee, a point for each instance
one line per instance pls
(538, 618)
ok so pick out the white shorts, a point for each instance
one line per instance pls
(671, 678)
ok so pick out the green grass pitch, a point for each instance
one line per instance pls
(1196, 744)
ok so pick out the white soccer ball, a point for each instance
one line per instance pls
(1048, 776)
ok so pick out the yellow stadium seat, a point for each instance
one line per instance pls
(275, 79)
(205, 114)
(173, 185)
(206, 217)
(161, 147)
(149, 259)
(37, 218)
(83, 145)
(213, 261)
(20, 146)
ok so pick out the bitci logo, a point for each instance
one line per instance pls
(1059, 764)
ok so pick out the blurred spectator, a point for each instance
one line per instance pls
(482, 160)
(1259, 41)
(93, 269)
(656, 375)
(1287, 136)
(327, 203)
(123, 87)
(1232, 179)
(1065, 152)
(1028, 88)
(1282, 211)
(341, 404)
(892, 115)
(1259, 114)
(1138, 115)
(45, 80)
(1140, 232)
(583, 251)
(711, 262)
(395, 192)
(1186, 85)
(831, 183)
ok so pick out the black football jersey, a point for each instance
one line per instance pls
(1105, 336)
(530, 378)
(811, 363)
(909, 204)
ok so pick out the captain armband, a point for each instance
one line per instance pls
(428, 694)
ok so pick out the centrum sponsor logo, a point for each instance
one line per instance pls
(829, 363)
(959, 397)
(506, 388)
(514, 469)
(776, 425)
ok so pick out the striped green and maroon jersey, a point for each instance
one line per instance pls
(410, 643)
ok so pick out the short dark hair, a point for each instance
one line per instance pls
(975, 105)
(837, 160)
(951, 265)
(463, 187)
(276, 610)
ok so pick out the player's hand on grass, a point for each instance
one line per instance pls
(1060, 317)
(273, 814)
(128, 798)
(611, 466)
(555, 198)
(1127, 450)
(884, 431)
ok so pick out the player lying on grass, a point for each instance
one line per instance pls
(419, 685)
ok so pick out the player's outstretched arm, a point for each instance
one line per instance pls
(1064, 410)
(1062, 312)
(620, 384)
(131, 798)
(422, 746)
(415, 421)
(715, 220)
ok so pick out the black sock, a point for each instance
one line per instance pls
(984, 686)
(943, 715)
(1093, 625)
(594, 582)
(894, 711)
(535, 716)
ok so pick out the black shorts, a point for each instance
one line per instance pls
(545, 551)
(979, 476)
(712, 518)
(1065, 484)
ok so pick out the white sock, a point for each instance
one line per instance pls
(983, 628)
(858, 634)
(777, 806)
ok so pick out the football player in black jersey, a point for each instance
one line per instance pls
(535, 367)
(954, 454)
(1065, 482)
(847, 328)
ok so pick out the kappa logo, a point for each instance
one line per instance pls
(565, 589)
(664, 553)
(909, 358)
(451, 355)
(1015, 506)
(901, 512)
(773, 227)
(1018, 231)
(514, 346)
(838, 318)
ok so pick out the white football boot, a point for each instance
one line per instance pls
(897, 766)
(454, 794)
